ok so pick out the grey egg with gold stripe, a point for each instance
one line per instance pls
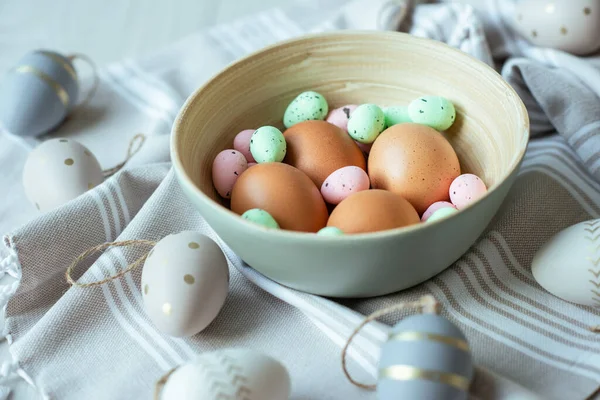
(38, 93)
(425, 357)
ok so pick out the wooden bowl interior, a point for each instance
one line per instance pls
(489, 135)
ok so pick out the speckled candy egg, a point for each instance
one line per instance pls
(466, 189)
(434, 207)
(330, 231)
(344, 182)
(307, 106)
(184, 283)
(226, 169)
(267, 144)
(59, 170)
(434, 111)
(425, 357)
(38, 93)
(396, 115)
(571, 26)
(340, 116)
(442, 213)
(260, 217)
(240, 374)
(366, 123)
(241, 143)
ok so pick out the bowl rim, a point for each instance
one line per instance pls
(311, 237)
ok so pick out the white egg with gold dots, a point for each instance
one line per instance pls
(59, 170)
(185, 280)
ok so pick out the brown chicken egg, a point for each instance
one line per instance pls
(318, 148)
(283, 191)
(372, 211)
(414, 161)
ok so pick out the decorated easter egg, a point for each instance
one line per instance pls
(372, 211)
(267, 144)
(366, 123)
(260, 217)
(571, 26)
(344, 182)
(307, 106)
(466, 189)
(568, 265)
(396, 115)
(59, 170)
(227, 167)
(425, 357)
(434, 111)
(441, 213)
(184, 283)
(38, 93)
(340, 116)
(330, 231)
(241, 143)
(240, 374)
(434, 207)
(285, 192)
(318, 148)
(414, 161)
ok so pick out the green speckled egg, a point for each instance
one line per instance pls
(267, 144)
(307, 106)
(260, 217)
(396, 115)
(434, 111)
(441, 214)
(366, 123)
(330, 231)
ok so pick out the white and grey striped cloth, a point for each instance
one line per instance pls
(97, 343)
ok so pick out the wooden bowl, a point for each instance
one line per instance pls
(490, 136)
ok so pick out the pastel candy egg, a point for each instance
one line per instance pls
(366, 148)
(466, 189)
(340, 116)
(241, 143)
(267, 144)
(343, 182)
(59, 170)
(425, 357)
(434, 111)
(251, 164)
(38, 93)
(227, 167)
(330, 231)
(366, 123)
(307, 106)
(240, 374)
(441, 213)
(396, 115)
(434, 207)
(260, 217)
(184, 283)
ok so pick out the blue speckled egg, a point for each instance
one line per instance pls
(38, 93)
(425, 357)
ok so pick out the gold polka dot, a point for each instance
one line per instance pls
(189, 279)
(146, 289)
(193, 245)
(90, 185)
(563, 30)
(69, 161)
(550, 8)
(166, 308)
(534, 33)
(587, 11)
(63, 140)
(37, 206)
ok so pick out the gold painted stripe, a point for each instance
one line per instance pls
(409, 373)
(451, 341)
(58, 89)
(60, 61)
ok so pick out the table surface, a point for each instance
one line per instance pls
(106, 31)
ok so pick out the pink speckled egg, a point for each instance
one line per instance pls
(466, 189)
(434, 207)
(241, 143)
(343, 182)
(366, 148)
(340, 116)
(227, 167)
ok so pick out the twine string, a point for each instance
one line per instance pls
(426, 304)
(95, 83)
(102, 247)
(158, 386)
(135, 144)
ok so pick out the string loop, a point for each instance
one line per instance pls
(135, 144)
(95, 83)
